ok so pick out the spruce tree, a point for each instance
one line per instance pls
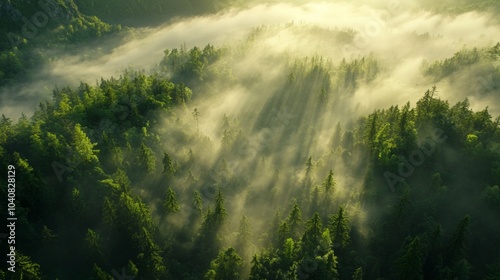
(329, 183)
(339, 227)
(171, 204)
(295, 221)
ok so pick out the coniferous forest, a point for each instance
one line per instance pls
(225, 140)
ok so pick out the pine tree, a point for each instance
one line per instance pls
(244, 232)
(315, 197)
(226, 266)
(309, 167)
(347, 140)
(358, 274)
(220, 213)
(26, 268)
(208, 225)
(282, 234)
(403, 207)
(336, 136)
(295, 221)
(244, 236)
(84, 148)
(190, 157)
(196, 115)
(168, 165)
(313, 234)
(92, 244)
(456, 247)
(226, 141)
(412, 260)
(170, 204)
(434, 260)
(339, 228)
(146, 158)
(329, 183)
(197, 203)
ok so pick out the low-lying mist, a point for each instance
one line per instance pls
(398, 35)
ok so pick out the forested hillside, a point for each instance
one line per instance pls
(26, 27)
(292, 151)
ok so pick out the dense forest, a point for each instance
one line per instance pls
(252, 159)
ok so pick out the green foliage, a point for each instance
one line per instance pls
(84, 148)
(493, 271)
(170, 203)
(168, 165)
(226, 266)
(492, 195)
(197, 203)
(244, 231)
(456, 246)
(25, 31)
(329, 183)
(312, 237)
(412, 260)
(146, 12)
(459, 60)
(194, 66)
(27, 269)
(109, 192)
(358, 274)
(339, 227)
(294, 221)
(146, 159)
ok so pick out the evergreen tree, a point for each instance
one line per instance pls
(100, 274)
(329, 183)
(196, 115)
(434, 260)
(190, 178)
(358, 274)
(339, 228)
(283, 233)
(294, 221)
(226, 266)
(313, 234)
(146, 158)
(84, 148)
(226, 141)
(197, 203)
(371, 131)
(220, 213)
(26, 268)
(412, 260)
(456, 246)
(170, 203)
(244, 235)
(309, 167)
(315, 197)
(168, 165)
